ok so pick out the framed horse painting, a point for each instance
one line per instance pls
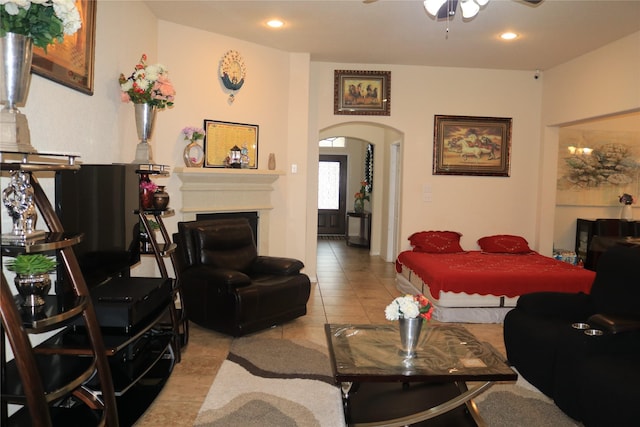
(466, 145)
(365, 93)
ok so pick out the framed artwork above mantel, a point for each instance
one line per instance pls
(222, 137)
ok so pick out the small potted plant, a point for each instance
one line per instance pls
(32, 277)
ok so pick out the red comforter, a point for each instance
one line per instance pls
(481, 273)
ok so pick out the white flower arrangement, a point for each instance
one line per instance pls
(44, 21)
(409, 307)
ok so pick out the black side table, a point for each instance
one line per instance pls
(363, 238)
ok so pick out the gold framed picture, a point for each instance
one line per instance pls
(71, 62)
(466, 145)
(220, 138)
(366, 93)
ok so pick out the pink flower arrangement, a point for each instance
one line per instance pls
(193, 133)
(148, 185)
(148, 84)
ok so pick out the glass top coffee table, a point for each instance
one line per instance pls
(382, 387)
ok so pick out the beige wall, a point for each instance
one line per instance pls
(601, 83)
(474, 206)
(65, 120)
(566, 215)
(265, 99)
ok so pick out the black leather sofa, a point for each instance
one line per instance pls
(593, 379)
(228, 287)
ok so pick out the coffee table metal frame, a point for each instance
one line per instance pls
(446, 353)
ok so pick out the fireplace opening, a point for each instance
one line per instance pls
(251, 216)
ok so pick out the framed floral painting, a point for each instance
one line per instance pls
(596, 166)
(71, 62)
(465, 145)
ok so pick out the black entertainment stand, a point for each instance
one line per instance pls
(141, 356)
(113, 354)
(594, 236)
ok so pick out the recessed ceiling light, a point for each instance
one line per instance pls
(275, 23)
(508, 35)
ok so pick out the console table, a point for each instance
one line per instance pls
(363, 238)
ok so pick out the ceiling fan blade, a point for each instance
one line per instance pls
(533, 1)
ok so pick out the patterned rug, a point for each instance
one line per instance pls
(268, 382)
(520, 405)
(331, 237)
(273, 382)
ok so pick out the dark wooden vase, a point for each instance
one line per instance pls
(160, 198)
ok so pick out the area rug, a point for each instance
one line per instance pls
(520, 405)
(273, 382)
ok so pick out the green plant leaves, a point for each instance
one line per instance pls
(38, 22)
(26, 264)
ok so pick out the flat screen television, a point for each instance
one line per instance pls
(100, 201)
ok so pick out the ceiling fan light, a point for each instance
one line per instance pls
(482, 2)
(433, 6)
(469, 8)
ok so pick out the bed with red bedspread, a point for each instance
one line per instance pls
(481, 286)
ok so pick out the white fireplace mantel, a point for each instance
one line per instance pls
(213, 190)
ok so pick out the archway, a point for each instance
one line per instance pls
(387, 180)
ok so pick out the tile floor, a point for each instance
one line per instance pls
(352, 287)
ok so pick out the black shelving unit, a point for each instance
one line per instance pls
(594, 236)
(363, 236)
(178, 315)
(49, 385)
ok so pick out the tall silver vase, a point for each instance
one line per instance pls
(16, 52)
(145, 119)
(410, 335)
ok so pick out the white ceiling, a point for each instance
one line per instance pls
(401, 32)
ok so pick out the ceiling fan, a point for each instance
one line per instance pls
(442, 9)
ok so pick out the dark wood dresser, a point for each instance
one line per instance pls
(594, 236)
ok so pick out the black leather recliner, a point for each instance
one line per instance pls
(228, 287)
(594, 379)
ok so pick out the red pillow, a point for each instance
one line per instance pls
(436, 242)
(504, 244)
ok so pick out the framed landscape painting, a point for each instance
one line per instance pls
(362, 93)
(71, 62)
(465, 145)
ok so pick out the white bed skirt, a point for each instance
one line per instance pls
(459, 307)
